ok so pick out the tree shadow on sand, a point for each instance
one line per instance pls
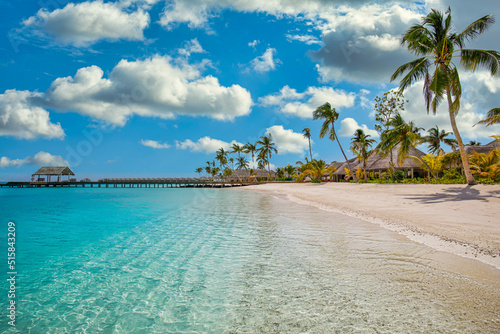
(469, 193)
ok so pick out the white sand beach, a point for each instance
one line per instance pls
(454, 218)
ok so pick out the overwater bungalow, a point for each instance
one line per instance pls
(45, 174)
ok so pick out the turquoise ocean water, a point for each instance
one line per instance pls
(223, 261)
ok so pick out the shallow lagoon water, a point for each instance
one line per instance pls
(228, 261)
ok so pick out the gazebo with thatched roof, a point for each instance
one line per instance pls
(52, 171)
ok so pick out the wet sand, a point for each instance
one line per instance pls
(453, 218)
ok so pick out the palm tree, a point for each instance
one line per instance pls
(317, 168)
(267, 147)
(361, 144)
(436, 137)
(250, 148)
(199, 170)
(474, 143)
(289, 170)
(221, 157)
(307, 134)
(406, 135)
(242, 163)
(237, 148)
(493, 117)
(436, 42)
(329, 114)
(231, 160)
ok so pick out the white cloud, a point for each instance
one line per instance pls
(266, 62)
(303, 104)
(253, 44)
(154, 144)
(206, 145)
(40, 159)
(155, 87)
(307, 39)
(87, 22)
(349, 125)
(287, 141)
(192, 46)
(21, 119)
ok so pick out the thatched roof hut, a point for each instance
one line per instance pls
(244, 174)
(494, 145)
(52, 171)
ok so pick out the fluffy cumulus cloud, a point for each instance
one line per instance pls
(287, 141)
(290, 102)
(349, 125)
(362, 44)
(156, 87)
(266, 62)
(154, 144)
(87, 22)
(20, 118)
(206, 145)
(40, 159)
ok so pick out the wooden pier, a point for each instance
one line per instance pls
(131, 183)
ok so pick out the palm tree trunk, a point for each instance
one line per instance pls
(465, 162)
(353, 173)
(310, 151)
(364, 170)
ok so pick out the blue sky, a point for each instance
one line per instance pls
(153, 88)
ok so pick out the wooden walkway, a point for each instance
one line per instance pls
(131, 183)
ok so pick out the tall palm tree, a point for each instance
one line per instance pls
(307, 134)
(267, 147)
(199, 170)
(330, 115)
(221, 157)
(361, 144)
(436, 137)
(251, 148)
(438, 45)
(492, 117)
(406, 135)
(237, 148)
(242, 163)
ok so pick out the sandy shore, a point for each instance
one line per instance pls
(453, 218)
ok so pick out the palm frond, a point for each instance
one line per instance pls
(416, 70)
(456, 89)
(493, 117)
(438, 86)
(418, 40)
(474, 29)
(471, 59)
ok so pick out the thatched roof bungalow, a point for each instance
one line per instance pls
(244, 175)
(378, 163)
(52, 171)
(494, 145)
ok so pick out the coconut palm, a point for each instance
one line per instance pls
(199, 170)
(436, 137)
(251, 148)
(493, 117)
(221, 157)
(438, 45)
(329, 115)
(316, 169)
(289, 170)
(237, 148)
(242, 163)
(361, 144)
(307, 134)
(406, 135)
(267, 147)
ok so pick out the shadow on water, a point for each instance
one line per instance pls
(469, 193)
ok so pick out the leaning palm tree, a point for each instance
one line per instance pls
(438, 45)
(361, 144)
(492, 117)
(436, 137)
(406, 135)
(330, 115)
(267, 147)
(307, 134)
